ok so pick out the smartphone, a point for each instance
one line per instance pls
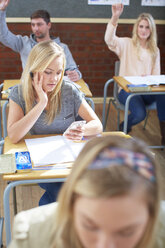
(76, 124)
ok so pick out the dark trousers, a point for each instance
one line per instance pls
(137, 106)
(51, 192)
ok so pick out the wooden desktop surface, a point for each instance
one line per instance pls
(122, 82)
(11, 82)
(9, 148)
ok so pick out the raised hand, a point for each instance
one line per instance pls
(4, 4)
(37, 84)
(117, 10)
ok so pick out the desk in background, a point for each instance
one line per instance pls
(32, 177)
(122, 82)
(155, 90)
(12, 82)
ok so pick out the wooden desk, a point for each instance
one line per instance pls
(10, 148)
(122, 82)
(84, 88)
(12, 82)
(44, 176)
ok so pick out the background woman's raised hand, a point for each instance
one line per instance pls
(4, 4)
(117, 10)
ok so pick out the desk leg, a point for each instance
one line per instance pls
(1, 86)
(7, 204)
(104, 104)
(7, 212)
(4, 119)
(127, 109)
(1, 230)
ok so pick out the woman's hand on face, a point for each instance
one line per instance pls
(37, 84)
(117, 10)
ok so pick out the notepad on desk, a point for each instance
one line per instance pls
(139, 87)
(146, 80)
(18, 162)
(53, 150)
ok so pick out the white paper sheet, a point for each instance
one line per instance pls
(52, 150)
(107, 2)
(153, 2)
(148, 80)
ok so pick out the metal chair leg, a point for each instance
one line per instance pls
(107, 114)
(104, 103)
(1, 230)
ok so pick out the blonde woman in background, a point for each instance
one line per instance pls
(45, 103)
(139, 56)
(110, 199)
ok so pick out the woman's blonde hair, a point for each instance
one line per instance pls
(152, 39)
(104, 183)
(38, 60)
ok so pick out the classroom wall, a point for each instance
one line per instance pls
(86, 42)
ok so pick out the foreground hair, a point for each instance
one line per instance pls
(152, 40)
(109, 181)
(38, 60)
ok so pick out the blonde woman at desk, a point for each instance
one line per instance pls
(139, 56)
(110, 199)
(45, 103)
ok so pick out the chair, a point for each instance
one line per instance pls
(115, 101)
(1, 218)
(1, 137)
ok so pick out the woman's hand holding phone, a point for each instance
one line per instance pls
(75, 131)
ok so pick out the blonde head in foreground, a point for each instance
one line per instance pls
(106, 177)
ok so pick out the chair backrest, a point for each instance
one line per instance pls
(115, 88)
(1, 86)
(117, 67)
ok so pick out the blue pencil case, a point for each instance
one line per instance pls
(137, 85)
(138, 88)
